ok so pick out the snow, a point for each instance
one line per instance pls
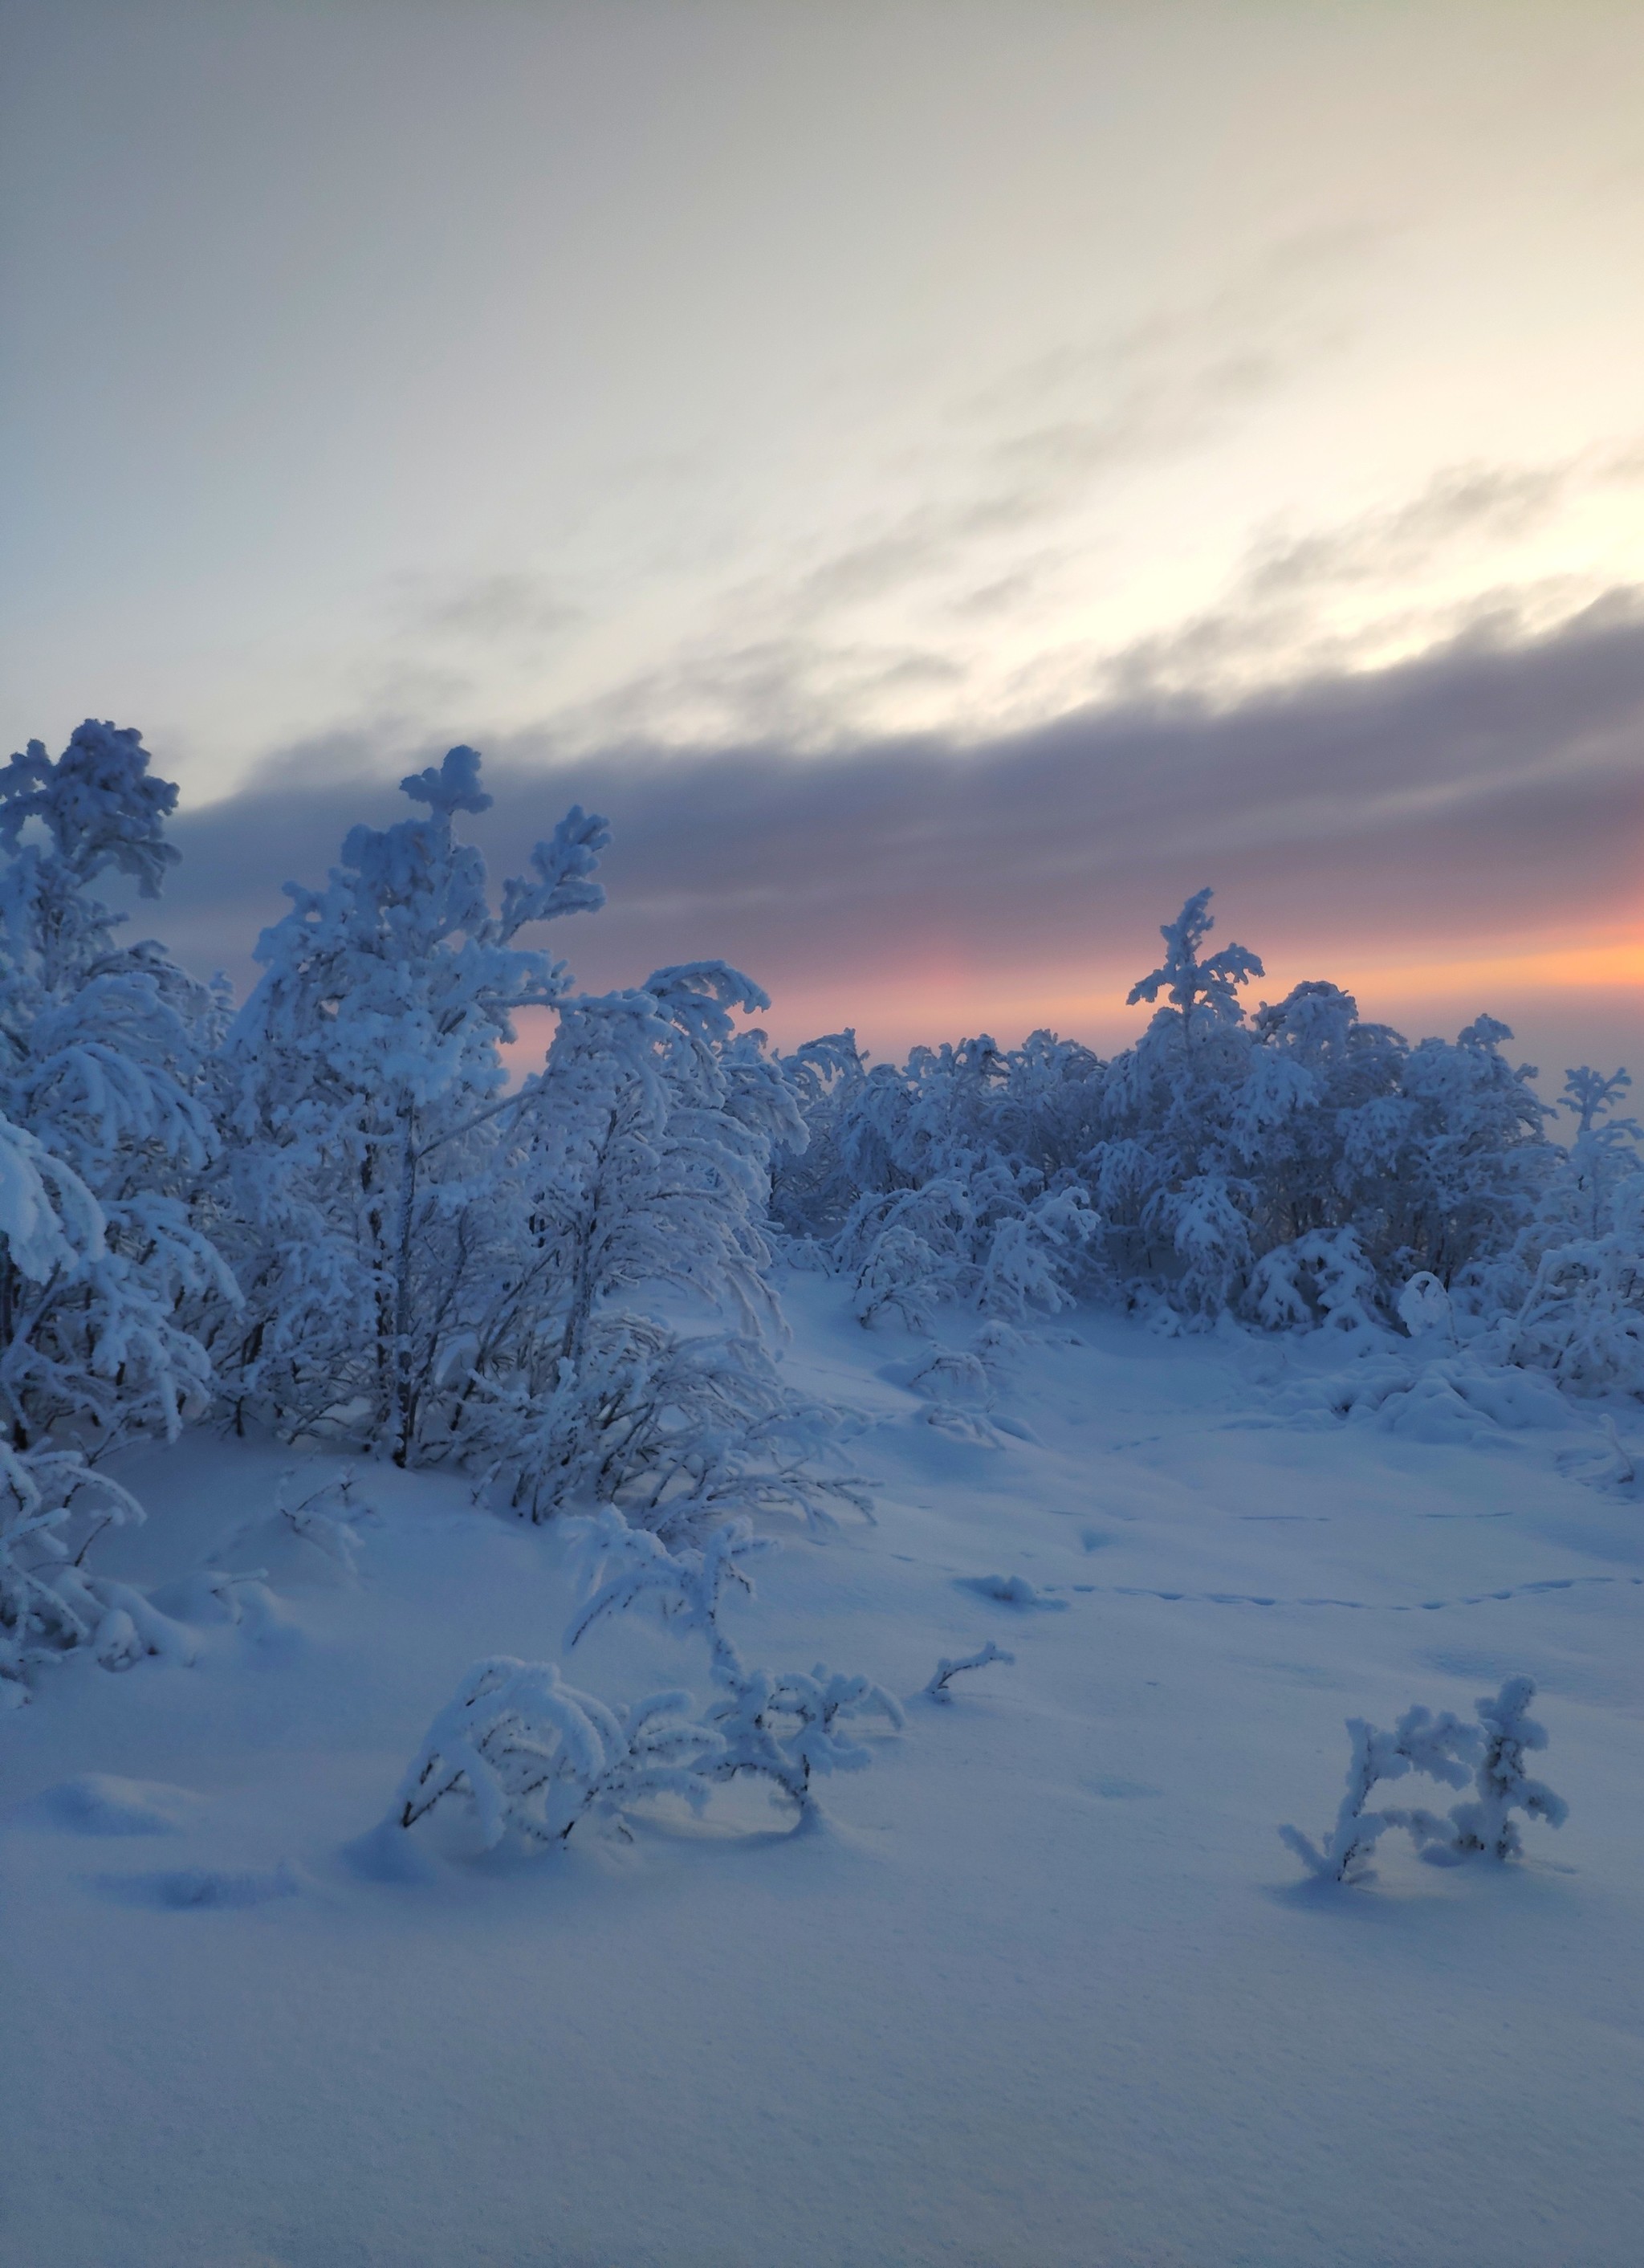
(1043, 1988)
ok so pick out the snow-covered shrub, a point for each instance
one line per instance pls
(1321, 1279)
(1034, 1255)
(52, 1504)
(1441, 1746)
(1582, 1318)
(646, 1158)
(536, 1756)
(1423, 1306)
(946, 1181)
(1296, 1166)
(1445, 1747)
(788, 1727)
(814, 1186)
(1301, 1160)
(909, 1251)
(107, 1266)
(676, 1432)
(52, 1507)
(1486, 1826)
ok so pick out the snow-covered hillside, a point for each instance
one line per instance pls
(1045, 1987)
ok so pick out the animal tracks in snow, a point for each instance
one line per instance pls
(1364, 1606)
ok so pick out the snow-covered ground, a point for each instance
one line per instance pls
(1047, 1990)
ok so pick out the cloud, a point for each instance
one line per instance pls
(1487, 791)
(818, 640)
(1465, 502)
(499, 606)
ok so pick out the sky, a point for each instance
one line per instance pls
(948, 480)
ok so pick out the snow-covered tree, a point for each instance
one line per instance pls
(369, 1167)
(1606, 1152)
(563, 1287)
(646, 1155)
(1202, 993)
(1168, 1175)
(1573, 1283)
(107, 1265)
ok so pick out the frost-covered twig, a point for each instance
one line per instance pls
(936, 1688)
(328, 1517)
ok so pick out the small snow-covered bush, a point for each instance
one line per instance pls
(535, 1755)
(1447, 1748)
(1441, 1746)
(52, 1507)
(1503, 1786)
(787, 1726)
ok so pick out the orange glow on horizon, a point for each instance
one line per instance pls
(1615, 963)
(938, 993)
(1498, 978)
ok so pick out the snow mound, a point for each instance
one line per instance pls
(187, 1888)
(386, 1854)
(97, 1803)
(1010, 1591)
